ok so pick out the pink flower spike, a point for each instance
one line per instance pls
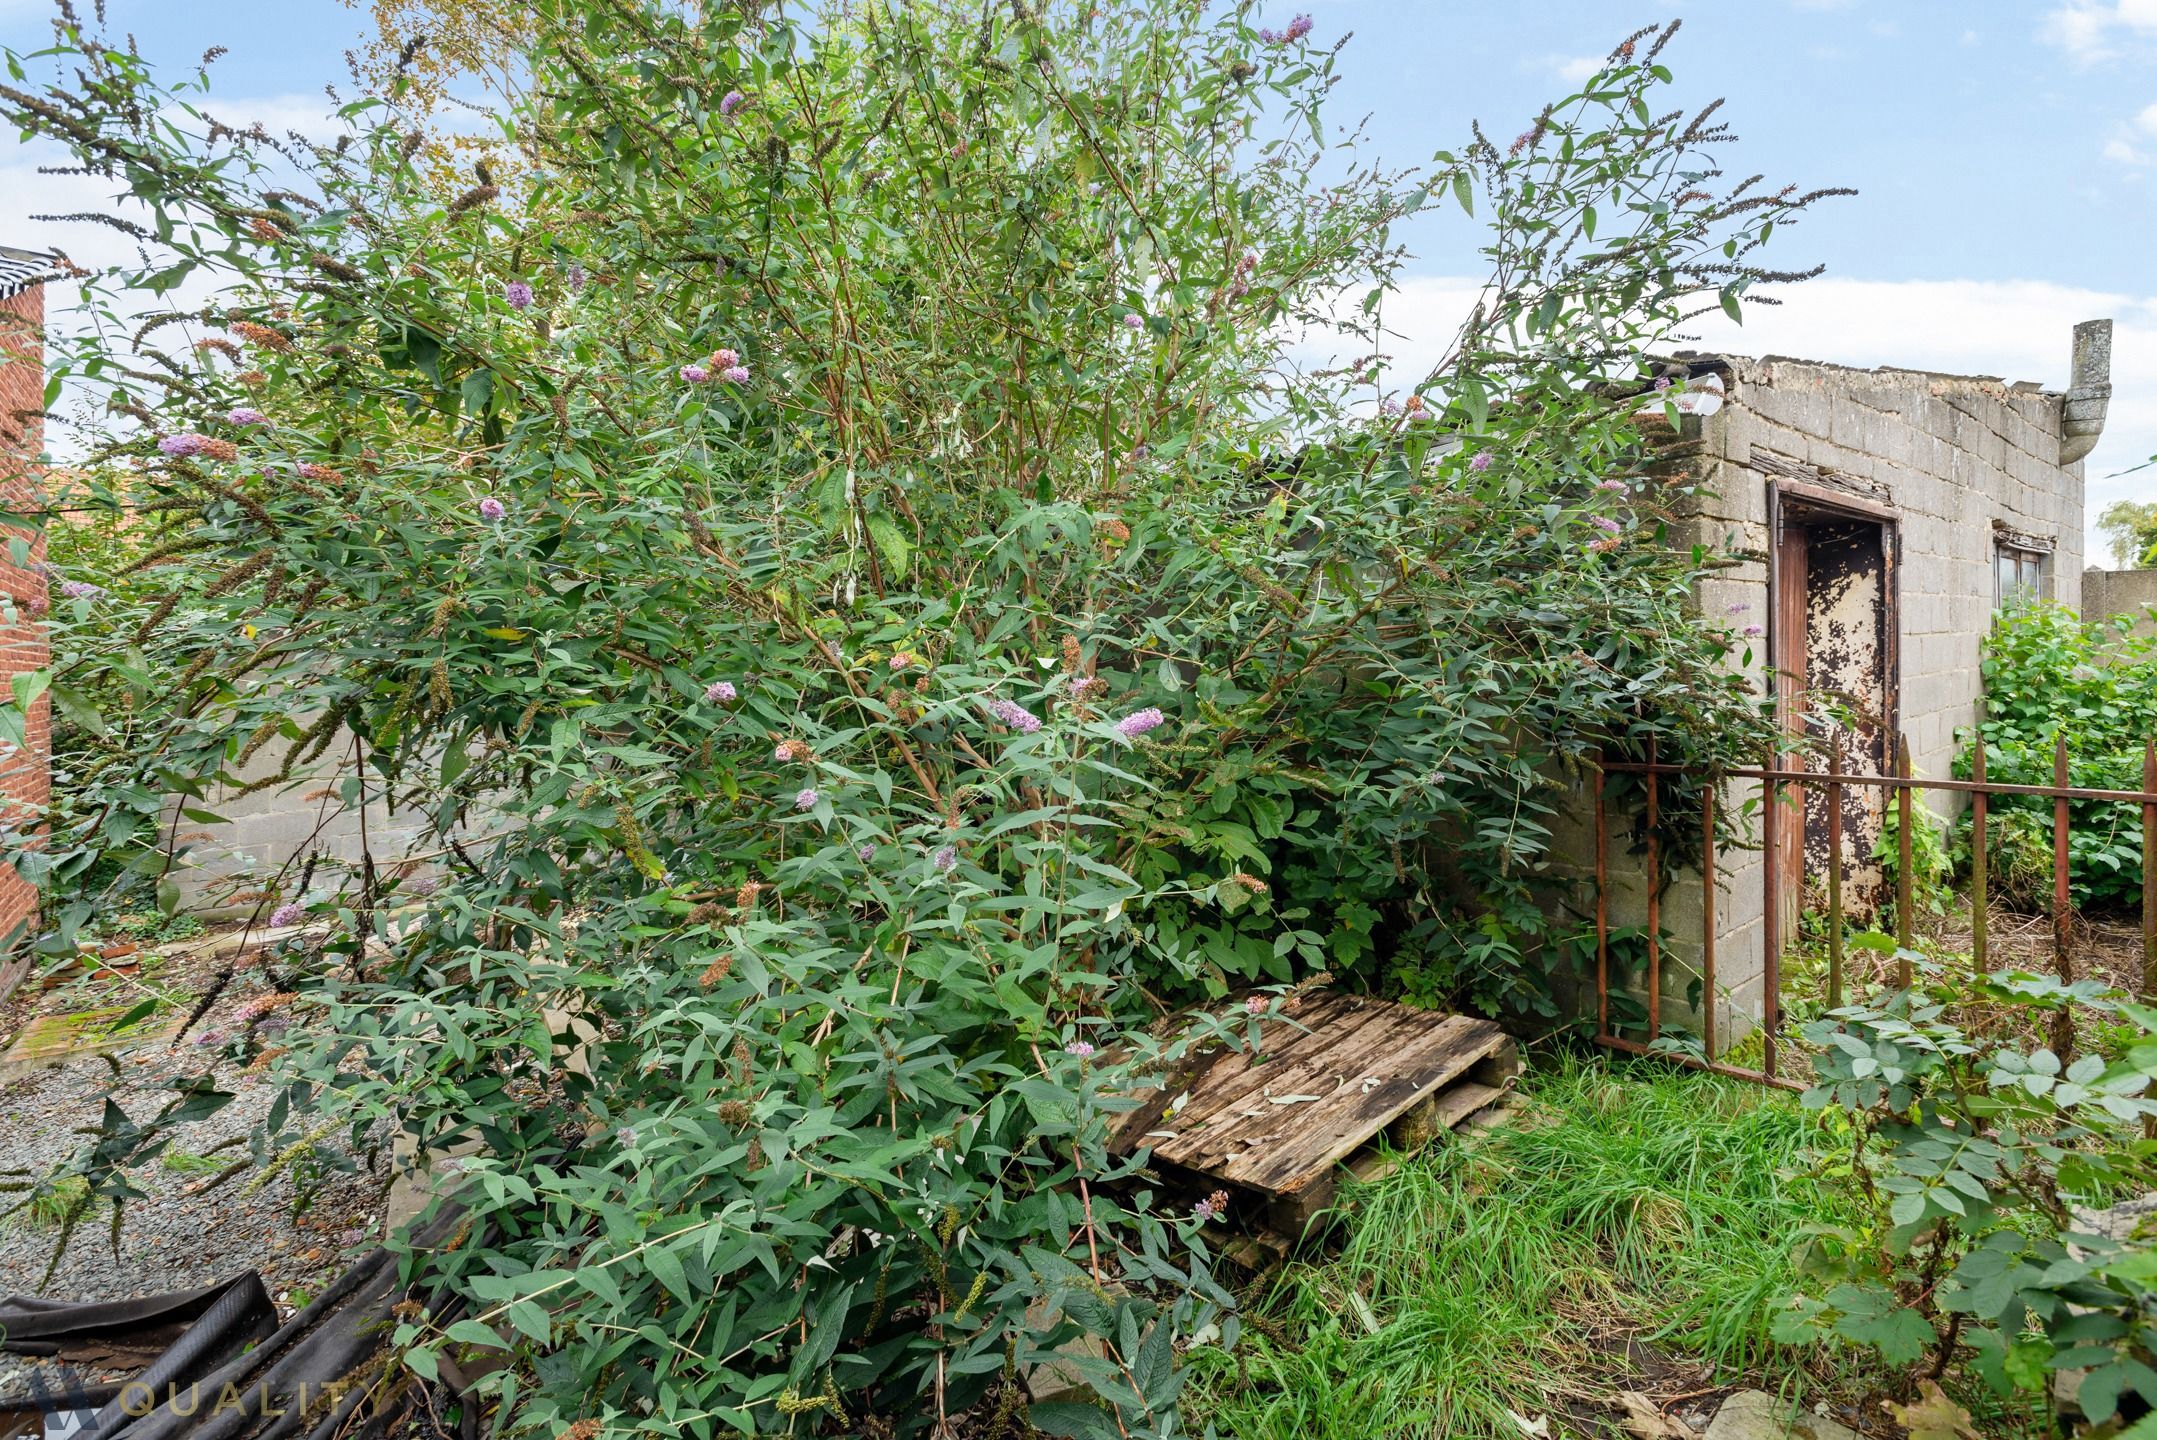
(518, 294)
(1257, 1005)
(719, 692)
(1138, 722)
(695, 374)
(289, 913)
(492, 509)
(725, 359)
(245, 416)
(805, 799)
(1079, 1048)
(736, 375)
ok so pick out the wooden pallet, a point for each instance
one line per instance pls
(1332, 1073)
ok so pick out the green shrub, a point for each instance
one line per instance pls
(1961, 1142)
(852, 740)
(2048, 674)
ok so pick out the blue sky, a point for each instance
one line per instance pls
(2006, 151)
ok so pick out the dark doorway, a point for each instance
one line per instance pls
(1834, 657)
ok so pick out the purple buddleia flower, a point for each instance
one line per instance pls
(725, 359)
(1662, 382)
(1740, 607)
(1605, 524)
(575, 279)
(1297, 28)
(1134, 321)
(244, 415)
(866, 854)
(1256, 1005)
(731, 101)
(492, 509)
(1079, 1048)
(1754, 632)
(1614, 487)
(946, 860)
(181, 445)
(1267, 35)
(1481, 462)
(288, 913)
(695, 374)
(719, 692)
(736, 374)
(1389, 406)
(805, 798)
(80, 590)
(1138, 722)
(1017, 716)
(518, 294)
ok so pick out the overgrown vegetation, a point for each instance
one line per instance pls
(1967, 1142)
(2048, 674)
(1506, 1273)
(838, 547)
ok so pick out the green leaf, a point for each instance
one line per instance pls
(891, 544)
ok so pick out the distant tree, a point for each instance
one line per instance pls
(2130, 528)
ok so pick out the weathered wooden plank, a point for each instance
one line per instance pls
(1338, 1126)
(1212, 1125)
(1223, 1076)
(1371, 1060)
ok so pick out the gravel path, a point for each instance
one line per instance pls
(182, 1235)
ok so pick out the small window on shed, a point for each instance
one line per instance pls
(2020, 573)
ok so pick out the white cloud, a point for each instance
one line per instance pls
(1574, 69)
(2091, 30)
(2135, 142)
(2015, 329)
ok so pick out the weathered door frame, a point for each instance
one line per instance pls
(1787, 501)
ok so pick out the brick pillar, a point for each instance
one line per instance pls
(25, 772)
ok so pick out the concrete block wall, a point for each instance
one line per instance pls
(252, 861)
(1953, 456)
(2106, 593)
(25, 771)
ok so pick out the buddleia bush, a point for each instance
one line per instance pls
(885, 555)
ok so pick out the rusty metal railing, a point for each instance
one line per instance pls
(1779, 783)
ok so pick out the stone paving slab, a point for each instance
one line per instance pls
(55, 1039)
(1757, 1415)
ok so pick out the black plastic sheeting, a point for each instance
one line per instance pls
(232, 1372)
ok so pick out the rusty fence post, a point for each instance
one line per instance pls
(1980, 861)
(1655, 908)
(1707, 916)
(2063, 1024)
(1602, 908)
(1834, 874)
(2149, 870)
(1770, 913)
(1905, 887)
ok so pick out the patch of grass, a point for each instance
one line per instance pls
(187, 1162)
(155, 928)
(1479, 1276)
(50, 1205)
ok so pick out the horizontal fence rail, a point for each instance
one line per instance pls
(1780, 784)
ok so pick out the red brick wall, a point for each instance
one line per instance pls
(26, 775)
